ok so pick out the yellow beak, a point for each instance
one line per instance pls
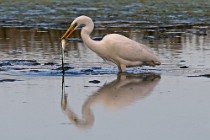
(69, 31)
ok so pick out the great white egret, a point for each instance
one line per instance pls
(116, 48)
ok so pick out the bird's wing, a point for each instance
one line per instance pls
(128, 49)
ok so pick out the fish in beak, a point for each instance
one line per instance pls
(63, 45)
(66, 35)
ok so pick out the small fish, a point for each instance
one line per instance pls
(63, 45)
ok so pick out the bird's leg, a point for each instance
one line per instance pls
(121, 76)
(121, 68)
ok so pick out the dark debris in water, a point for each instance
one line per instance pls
(87, 70)
(17, 68)
(202, 75)
(50, 64)
(96, 68)
(205, 75)
(65, 68)
(8, 80)
(35, 71)
(94, 81)
(183, 67)
(182, 61)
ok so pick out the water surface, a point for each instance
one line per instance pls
(92, 101)
(132, 13)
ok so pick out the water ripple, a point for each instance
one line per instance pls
(59, 14)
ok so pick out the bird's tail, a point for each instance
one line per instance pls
(157, 62)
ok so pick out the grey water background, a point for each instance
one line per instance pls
(136, 14)
(92, 101)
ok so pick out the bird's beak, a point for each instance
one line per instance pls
(69, 31)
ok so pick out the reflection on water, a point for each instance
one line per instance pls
(22, 43)
(125, 90)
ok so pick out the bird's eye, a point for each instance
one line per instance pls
(75, 25)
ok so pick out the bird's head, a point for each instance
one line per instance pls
(81, 20)
(70, 30)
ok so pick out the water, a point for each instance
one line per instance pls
(57, 14)
(92, 101)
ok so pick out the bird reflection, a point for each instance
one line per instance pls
(87, 115)
(119, 93)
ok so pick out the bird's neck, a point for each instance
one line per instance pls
(92, 44)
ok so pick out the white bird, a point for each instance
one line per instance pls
(116, 48)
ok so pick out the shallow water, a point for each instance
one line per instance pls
(92, 101)
(30, 51)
